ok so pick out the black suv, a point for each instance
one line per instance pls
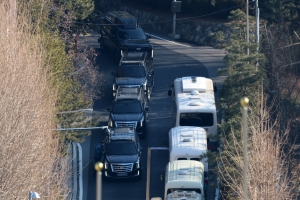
(120, 33)
(121, 151)
(135, 68)
(129, 109)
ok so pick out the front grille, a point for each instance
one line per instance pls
(121, 168)
(126, 124)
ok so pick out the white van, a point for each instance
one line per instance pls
(188, 143)
(194, 103)
(184, 180)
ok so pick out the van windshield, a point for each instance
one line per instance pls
(196, 119)
(171, 190)
(125, 34)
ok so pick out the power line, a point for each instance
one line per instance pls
(168, 21)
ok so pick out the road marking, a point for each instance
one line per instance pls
(148, 174)
(148, 168)
(168, 40)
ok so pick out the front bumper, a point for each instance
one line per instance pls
(134, 174)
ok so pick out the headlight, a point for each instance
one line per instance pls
(114, 87)
(110, 123)
(152, 53)
(141, 122)
(145, 85)
(137, 164)
(106, 165)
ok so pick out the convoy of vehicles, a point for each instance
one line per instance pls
(194, 114)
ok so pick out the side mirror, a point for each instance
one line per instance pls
(148, 36)
(108, 109)
(170, 91)
(113, 73)
(146, 109)
(99, 41)
(215, 87)
(107, 130)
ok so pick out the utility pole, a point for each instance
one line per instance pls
(257, 23)
(244, 102)
(175, 7)
(257, 29)
(247, 25)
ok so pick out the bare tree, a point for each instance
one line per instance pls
(273, 173)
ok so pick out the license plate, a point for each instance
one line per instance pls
(121, 174)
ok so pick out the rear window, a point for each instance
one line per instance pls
(196, 119)
(131, 71)
(134, 34)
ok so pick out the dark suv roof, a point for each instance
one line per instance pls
(122, 19)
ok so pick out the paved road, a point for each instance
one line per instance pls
(171, 60)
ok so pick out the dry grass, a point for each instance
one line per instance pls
(29, 150)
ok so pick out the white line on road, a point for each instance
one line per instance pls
(148, 174)
(168, 40)
(148, 168)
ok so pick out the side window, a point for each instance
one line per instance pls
(181, 158)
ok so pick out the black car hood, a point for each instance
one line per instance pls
(130, 81)
(127, 117)
(122, 158)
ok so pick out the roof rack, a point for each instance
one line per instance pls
(122, 134)
(128, 92)
(133, 57)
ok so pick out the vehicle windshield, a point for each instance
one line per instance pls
(171, 190)
(131, 71)
(125, 34)
(196, 119)
(121, 148)
(122, 107)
